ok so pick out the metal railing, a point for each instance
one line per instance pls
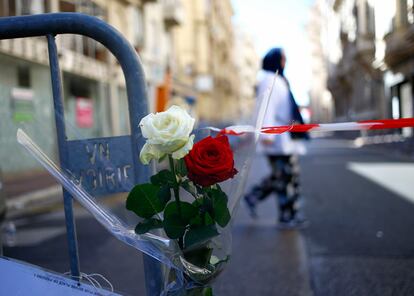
(50, 25)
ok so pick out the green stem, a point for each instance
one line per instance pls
(203, 218)
(176, 190)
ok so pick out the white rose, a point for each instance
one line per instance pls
(167, 132)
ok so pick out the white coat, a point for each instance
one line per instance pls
(279, 112)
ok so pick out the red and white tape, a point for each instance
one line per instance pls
(323, 127)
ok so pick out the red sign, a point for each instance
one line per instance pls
(84, 112)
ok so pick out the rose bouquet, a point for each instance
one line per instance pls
(185, 199)
(180, 215)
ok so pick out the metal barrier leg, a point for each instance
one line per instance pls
(63, 155)
(2, 211)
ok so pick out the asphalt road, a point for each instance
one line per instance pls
(359, 241)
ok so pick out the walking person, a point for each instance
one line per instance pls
(281, 150)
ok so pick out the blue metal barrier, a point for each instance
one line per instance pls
(50, 25)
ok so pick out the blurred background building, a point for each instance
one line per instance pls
(321, 101)
(247, 64)
(362, 59)
(191, 55)
(195, 56)
(399, 60)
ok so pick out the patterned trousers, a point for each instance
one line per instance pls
(284, 182)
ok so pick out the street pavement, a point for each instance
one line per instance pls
(359, 240)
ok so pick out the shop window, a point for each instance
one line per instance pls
(79, 88)
(23, 77)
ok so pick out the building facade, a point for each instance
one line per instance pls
(354, 81)
(93, 84)
(321, 101)
(224, 100)
(205, 73)
(192, 72)
(366, 51)
(187, 48)
(399, 60)
(247, 64)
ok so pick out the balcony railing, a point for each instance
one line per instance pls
(399, 46)
(35, 50)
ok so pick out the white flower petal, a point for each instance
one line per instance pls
(183, 151)
(167, 131)
(149, 152)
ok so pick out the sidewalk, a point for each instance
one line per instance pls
(265, 260)
(18, 184)
(30, 192)
(360, 239)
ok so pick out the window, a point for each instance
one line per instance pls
(370, 15)
(84, 6)
(138, 27)
(67, 6)
(7, 7)
(410, 11)
(23, 7)
(79, 87)
(23, 77)
(81, 44)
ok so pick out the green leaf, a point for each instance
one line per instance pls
(207, 205)
(188, 211)
(197, 203)
(196, 221)
(215, 189)
(199, 235)
(200, 291)
(199, 257)
(175, 221)
(164, 194)
(221, 213)
(208, 220)
(189, 187)
(208, 291)
(181, 167)
(164, 177)
(143, 200)
(147, 225)
(174, 226)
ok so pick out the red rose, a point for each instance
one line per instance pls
(210, 161)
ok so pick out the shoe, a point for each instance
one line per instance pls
(294, 224)
(251, 206)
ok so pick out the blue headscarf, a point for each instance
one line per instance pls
(272, 61)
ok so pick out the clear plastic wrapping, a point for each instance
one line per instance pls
(181, 270)
(192, 259)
